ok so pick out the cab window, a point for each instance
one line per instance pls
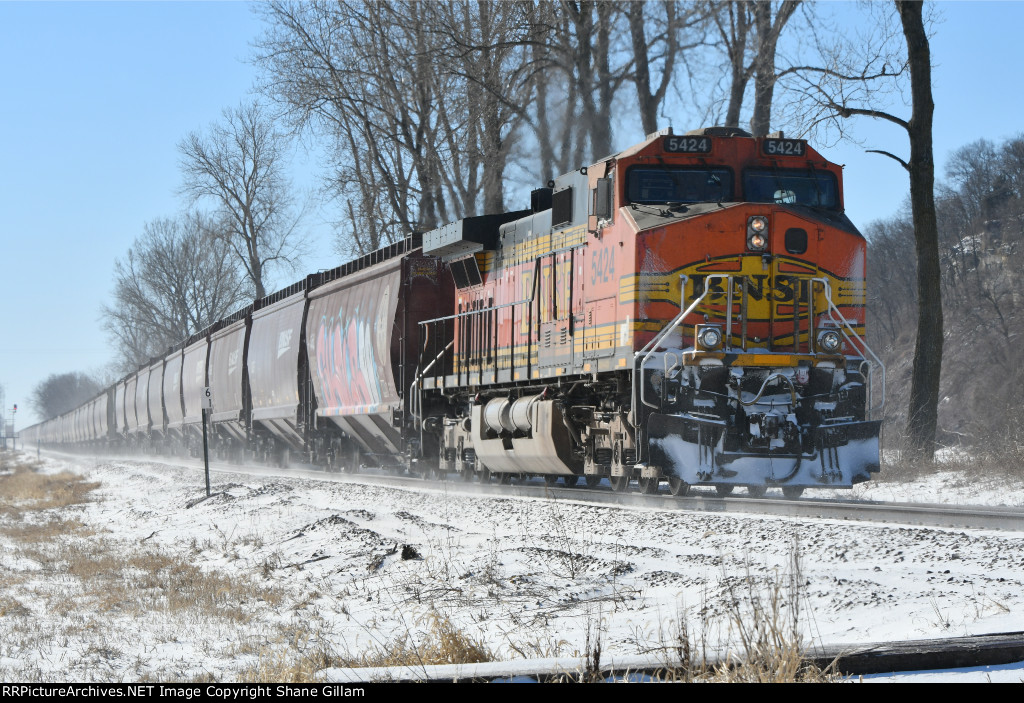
(678, 185)
(792, 187)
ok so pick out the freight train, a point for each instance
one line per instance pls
(688, 311)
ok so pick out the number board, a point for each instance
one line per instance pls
(687, 145)
(784, 147)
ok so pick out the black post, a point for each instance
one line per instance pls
(206, 455)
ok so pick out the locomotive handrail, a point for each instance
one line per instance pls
(649, 348)
(475, 312)
(419, 378)
(847, 330)
(470, 313)
(653, 344)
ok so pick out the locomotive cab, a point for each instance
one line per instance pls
(750, 367)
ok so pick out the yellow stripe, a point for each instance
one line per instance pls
(535, 247)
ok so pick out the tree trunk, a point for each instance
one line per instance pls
(601, 137)
(764, 70)
(924, 392)
(735, 40)
(768, 33)
(650, 101)
(648, 107)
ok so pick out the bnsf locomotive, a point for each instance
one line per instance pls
(689, 310)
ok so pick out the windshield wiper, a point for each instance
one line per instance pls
(671, 208)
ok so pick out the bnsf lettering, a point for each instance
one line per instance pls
(782, 288)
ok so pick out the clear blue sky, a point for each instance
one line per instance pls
(96, 96)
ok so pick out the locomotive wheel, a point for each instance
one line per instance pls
(467, 474)
(792, 492)
(677, 486)
(757, 491)
(593, 480)
(504, 479)
(570, 481)
(723, 490)
(649, 486)
(620, 484)
(485, 475)
(550, 481)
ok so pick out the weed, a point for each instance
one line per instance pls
(766, 620)
(25, 488)
(941, 620)
(441, 642)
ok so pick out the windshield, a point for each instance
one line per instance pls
(792, 187)
(679, 185)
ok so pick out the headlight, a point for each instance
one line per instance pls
(829, 341)
(757, 233)
(709, 336)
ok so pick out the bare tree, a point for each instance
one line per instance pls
(485, 48)
(179, 277)
(239, 165)
(843, 87)
(769, 29)
(891, 301)
(734, 25)
(748, 34)
(364, 75)
(420, 102)
(660, 33)
(981, 233)
(59, 393)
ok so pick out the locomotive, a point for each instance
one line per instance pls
(690, 310)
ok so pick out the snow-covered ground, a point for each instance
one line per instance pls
(301, 566)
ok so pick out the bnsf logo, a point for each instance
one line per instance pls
(781, 289)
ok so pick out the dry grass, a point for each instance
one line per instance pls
(1001, 460)
(438, 641)
(70, 580)
(771, 650)
(762, 620)
(44, 532)
(23, 488)
(77, 579)
(295, 661)
(112, 578)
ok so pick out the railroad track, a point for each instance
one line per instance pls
(916, 514)
(1002, 518)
